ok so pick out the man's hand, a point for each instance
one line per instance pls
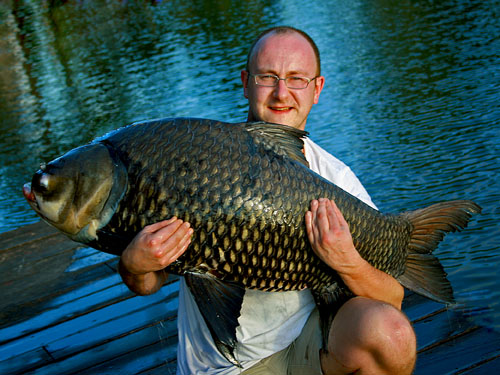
(330, 237)
(154, 248)
(331, 240)
(157, 246)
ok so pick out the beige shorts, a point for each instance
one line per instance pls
(300, 358)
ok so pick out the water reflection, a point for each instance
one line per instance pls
(411, 101)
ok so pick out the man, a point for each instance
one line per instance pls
(279, 332)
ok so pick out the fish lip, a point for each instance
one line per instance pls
(30, 196)
(28, 193)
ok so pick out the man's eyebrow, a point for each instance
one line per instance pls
(296, 73)
(288, 74)
(266, 71)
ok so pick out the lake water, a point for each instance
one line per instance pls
(411, 101)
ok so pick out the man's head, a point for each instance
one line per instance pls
(283, 52)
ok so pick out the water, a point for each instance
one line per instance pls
(411, 101)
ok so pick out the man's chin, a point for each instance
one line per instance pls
(284, 118)
(290, 121)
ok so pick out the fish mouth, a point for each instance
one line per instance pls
(28, 193)
(30, 196)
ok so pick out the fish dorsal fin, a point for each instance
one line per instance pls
(219, 303)
(282, 139)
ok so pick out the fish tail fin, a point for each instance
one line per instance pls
(424, 273)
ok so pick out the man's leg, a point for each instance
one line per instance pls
(370, 337)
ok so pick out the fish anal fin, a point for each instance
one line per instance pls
(219, 303)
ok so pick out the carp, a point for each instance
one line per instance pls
(245, 189)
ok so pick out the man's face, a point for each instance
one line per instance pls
(283, 55)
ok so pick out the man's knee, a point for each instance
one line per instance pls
(382, 325)
(376, 333)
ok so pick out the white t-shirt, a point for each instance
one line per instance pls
(269, 322)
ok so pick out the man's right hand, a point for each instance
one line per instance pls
(153, 248)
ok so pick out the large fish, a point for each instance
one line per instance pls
(245, 189)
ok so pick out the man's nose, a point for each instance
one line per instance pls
(281, 90)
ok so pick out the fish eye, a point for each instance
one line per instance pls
(44, 182)
(41, 182)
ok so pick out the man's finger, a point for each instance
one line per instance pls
(325, 219)
(315, 219)
(309, 226)
(339, 214)
(182, 246)
(331, 214)
(174, 235)
(167, 231)
(159, 225)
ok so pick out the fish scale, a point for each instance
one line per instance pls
(277, 193)
(245, 189)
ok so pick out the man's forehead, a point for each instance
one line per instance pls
(290, 46)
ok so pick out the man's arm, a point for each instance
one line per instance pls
(158, 245)
(331, 240)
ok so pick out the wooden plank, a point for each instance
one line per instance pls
(42, 268)
(113, 320)
(25, 234)
(435, 328)
(126, 316)
(32, 260)
(68, 306)
(489, 366)
(416, 306)
(16, 313)
(27, 260)
(168, 368)
(86, 257)
(94, 328)
(26, 298)
(127, 353)
(459, 352)
(146, 358)
(20, 362)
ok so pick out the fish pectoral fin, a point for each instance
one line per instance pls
(220, 304)
(111, 243)
(328, 301)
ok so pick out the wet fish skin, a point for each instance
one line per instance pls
(249, 218)
(245, 189)
(238, 187)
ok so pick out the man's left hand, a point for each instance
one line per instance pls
(331, 238)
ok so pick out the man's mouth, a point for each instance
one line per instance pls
(281, 109)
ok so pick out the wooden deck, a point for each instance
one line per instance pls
(64, 310)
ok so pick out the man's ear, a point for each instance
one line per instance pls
(319, 83)
(244, 81)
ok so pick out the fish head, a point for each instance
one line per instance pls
(78, 192)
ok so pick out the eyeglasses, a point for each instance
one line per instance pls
(292, 82)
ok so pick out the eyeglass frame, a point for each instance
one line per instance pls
(278, 79)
